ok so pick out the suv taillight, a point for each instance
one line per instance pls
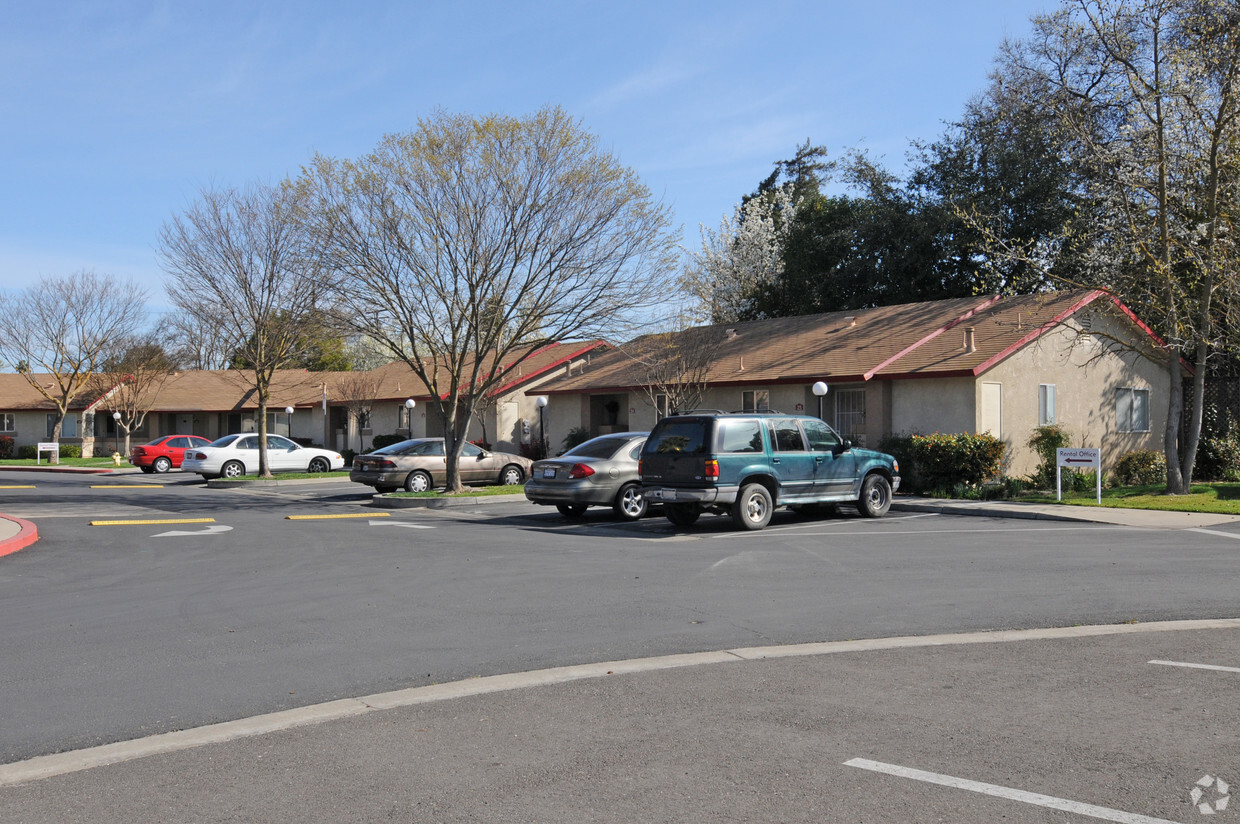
(712, 470)
(580, 471)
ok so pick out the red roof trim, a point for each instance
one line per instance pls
(1037, 333)
(918, 344)
(570, 356)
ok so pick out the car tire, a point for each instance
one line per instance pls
(630, 504)
(571, 511)
(753, 507)
(418, 481)
(232, 469)
(681, 514)
(511, 475)
(875, 497)
(161, 465)
(320, 465)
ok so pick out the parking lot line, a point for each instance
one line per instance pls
(18, 486)
(1218, 532)
(1036, 799)
(337, 517)
(148, 523)
(1195, 666)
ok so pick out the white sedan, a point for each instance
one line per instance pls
(235, 455)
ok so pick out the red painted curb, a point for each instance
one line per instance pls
(28, 535)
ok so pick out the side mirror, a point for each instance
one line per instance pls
(842, 447)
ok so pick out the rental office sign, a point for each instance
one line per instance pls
(1081, 458)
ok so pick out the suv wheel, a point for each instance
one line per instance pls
(875, 497)
(681, 514)
(753, 506)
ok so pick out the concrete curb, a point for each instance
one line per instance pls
(62, 763)
(1010, 510)
(384, 501)
(26, 534)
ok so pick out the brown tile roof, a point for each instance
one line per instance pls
(907, 340)
(16, 393)
(230, 390)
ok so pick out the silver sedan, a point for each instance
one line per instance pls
(599, 472)
(419, 465)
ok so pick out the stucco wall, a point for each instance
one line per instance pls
(922, 406)
(1086, 375)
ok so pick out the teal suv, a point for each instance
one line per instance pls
(746, 464)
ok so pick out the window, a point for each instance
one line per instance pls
(1046, 404)
(820, 436)
(68, 427)
(850, 412)
(785, 436)
(1132, 410)
(7, 424)
(739, 436)
(756, 400)
(686, 437)
(660, 406)
(363, 421)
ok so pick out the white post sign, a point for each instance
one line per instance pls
(1081, 458)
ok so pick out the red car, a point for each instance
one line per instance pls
(165, 453)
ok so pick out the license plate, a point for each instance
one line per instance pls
(667, 494)
(549, 472)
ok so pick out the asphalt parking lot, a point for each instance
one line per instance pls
(130, 632)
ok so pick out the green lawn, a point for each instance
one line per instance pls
(1218, 498)
(293, 476)
(97, 463)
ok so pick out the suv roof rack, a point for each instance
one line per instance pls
(756, 412)
(699, 412)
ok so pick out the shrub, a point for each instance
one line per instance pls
(380, 441)
(348, 455)
(533, 451)
(1218, 456)
(1140, 467)
(955, 464)
(576, 435)
(70, 450)
(6, 447)
(1046, 441)
(27, 452)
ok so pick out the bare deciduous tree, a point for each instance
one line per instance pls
(132, 382)
(238, 257)
(195, 341)
(65, 328)
(675, 365)
(466, 245)
(358, 391)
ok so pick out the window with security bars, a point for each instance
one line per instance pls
(1132, 410)
(850, 414)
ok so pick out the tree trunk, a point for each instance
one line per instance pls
(264, 464)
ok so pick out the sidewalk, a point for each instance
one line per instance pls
(1143, 518)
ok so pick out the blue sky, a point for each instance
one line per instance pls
(114, 115)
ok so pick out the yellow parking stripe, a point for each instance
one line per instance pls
(337, 517)
(18, 486)
(126, 486)
(145, 523)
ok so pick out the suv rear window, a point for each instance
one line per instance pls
(682, 437)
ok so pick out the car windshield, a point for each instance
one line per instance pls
(224, 441)
(597, 448)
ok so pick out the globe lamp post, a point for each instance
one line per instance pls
(542, 433)
(820, 389)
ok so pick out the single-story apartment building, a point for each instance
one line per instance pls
(1003, 365)
(341, 410)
